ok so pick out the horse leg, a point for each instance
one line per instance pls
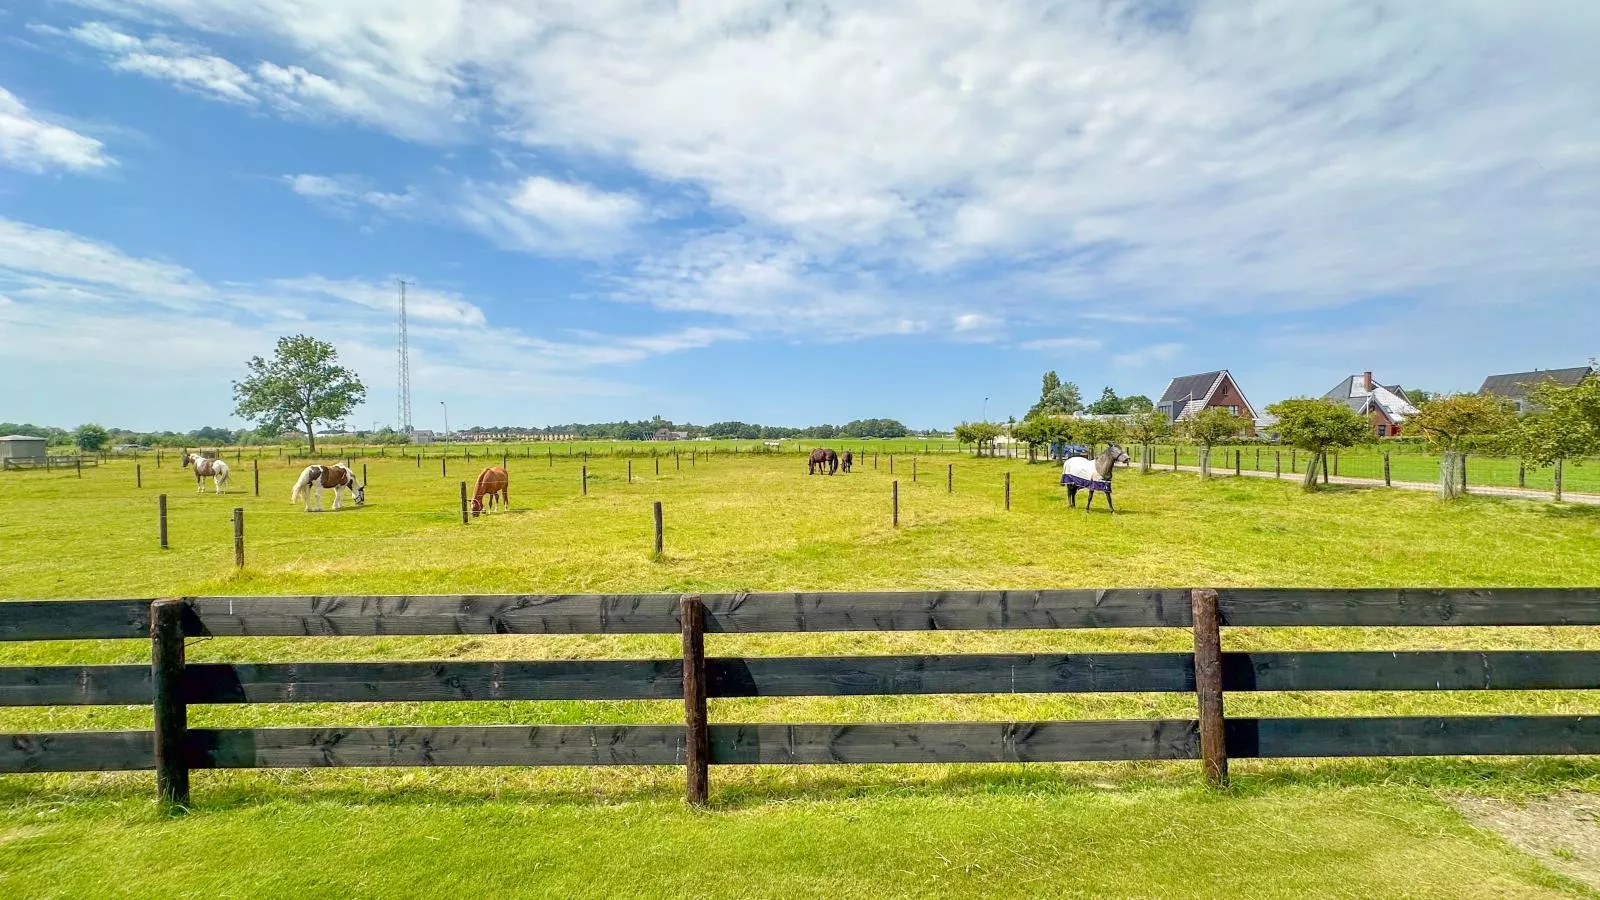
(1110, 505)
(1089, 504)
(1072, 496)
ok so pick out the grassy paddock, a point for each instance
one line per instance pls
(759, 523)
(1407, 462)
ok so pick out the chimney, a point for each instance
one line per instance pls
(1366, 379)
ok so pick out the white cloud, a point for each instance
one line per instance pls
(347, 192)
(31, 144)
(543, 215)
(1274, 155)
(1151, 355)
(421, 305)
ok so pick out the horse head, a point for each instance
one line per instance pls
(1107, 463)
(359, 489)
(186, 460)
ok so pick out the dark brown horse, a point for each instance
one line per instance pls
(846, 460)
(494, 482)
(822, 460)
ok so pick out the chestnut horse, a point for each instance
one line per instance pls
(203, 466)
(822, 460)
(314, 478)
(494, 482)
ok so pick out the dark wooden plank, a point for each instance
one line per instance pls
(1415, 736)
(486, 745)
(373, 682)
(1000, 673)
(77, 751)
(953, 742)
(57, 620)
(1449, 670)
(1410, 606)
(113, 685)
(658, 613)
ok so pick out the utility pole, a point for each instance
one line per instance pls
(404, 351)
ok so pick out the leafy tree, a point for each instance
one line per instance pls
(1148, 426)
(1057, 398)
(1565, 425)
(1317, 426)
(1042, 431)
(1209, 427)
(90, 437)
(979, 433)
(1419, 398)
(1109, 404)
(1138, 403)
(1456, 423)
(874, 428)
(1098, 432)
(302, 384)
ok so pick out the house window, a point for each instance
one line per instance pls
(1383, 430)
(1233, 410)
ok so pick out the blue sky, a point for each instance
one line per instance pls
(788, 212)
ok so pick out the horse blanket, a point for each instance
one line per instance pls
(1079, 472)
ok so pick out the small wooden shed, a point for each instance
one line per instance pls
(21, 446)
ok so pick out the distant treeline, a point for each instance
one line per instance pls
(644, 429)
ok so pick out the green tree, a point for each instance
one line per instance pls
(1419, 398)
(979, 433)
(1565, 424)
(1057, 398)
(303, 384)
(1460, 422)
(1138, 403)
(1042, 431)
(1109, 404)
(1317, 426)
(1097, 432)
(1210, 427)
(1147, 427)
(89, 437)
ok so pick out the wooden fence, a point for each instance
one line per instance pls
(171, 685)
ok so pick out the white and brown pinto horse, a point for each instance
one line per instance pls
(337, 476)
(1082, 473)
(203, 466)
(494, 483)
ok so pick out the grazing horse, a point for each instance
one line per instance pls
(846, 460)
(824, 461)
(203, 466)
(314, 478)
(1080, 472)
(494, 482)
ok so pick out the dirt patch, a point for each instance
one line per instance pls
(1561, 831)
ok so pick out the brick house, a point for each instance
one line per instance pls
(1517, 386)
(1385, 405)
(1186, 396)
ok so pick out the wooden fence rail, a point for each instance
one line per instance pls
(171, 685)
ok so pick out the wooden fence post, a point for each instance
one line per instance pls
(171, 711)
(1008, 491)
(463, 503)
(1387, 481)
(657, 513)
(950, 479)
(630, 471)
(891, 464)
(1522, 474)
(1174, 457)
(697, 736)
(161, 512)
(1463, 473)
(658, 465)
(1277, 464)
(1258, 459)
(1208, 686)
(895, 500)
(1558, 482)
(874, 462)
(363, 476)
(1294, 461)
(1237, 463)
(443, 472)
(418, 458)
(1335, 462)
(1324, 467)
(550, 457)
(138, 476)
(913, 470)
(584, 476)
(238, 537)
(255, 475)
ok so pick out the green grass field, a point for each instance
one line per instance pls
(1356, 828)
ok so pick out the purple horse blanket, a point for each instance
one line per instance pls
(1079, 473)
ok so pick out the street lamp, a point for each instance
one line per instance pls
(986, 409)
(446, 422)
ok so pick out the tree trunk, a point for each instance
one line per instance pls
(311, 438)
(1144, 460)
(1450, 467)
(1205, 463)
(1313, 472)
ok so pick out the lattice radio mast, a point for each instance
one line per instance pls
(404, 351)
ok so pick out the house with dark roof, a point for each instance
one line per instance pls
(1186, 396)
(1385, 405)
(1517, 386)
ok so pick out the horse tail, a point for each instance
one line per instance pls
(300, 485)
(220, 470)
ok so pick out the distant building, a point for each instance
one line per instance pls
(1517, 386)
(1385, 406)
(422, 436)
(22, 446)
(1185, 397)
